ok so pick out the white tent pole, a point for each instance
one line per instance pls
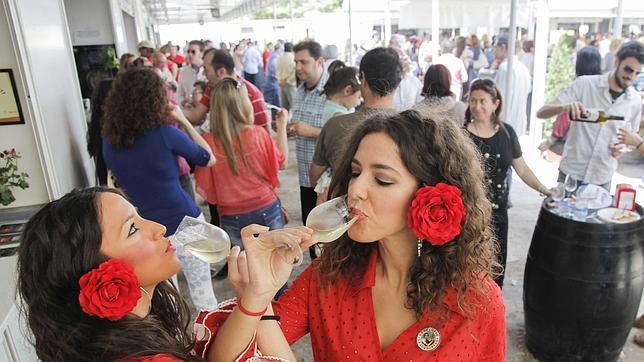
(435, 30)
(619, 20)
(350, 60)
(290, 9)
(387, 32)
(539, 73)
(512, 49)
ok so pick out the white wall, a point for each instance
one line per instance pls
(20, 136)
(44, 54)
(89, 22)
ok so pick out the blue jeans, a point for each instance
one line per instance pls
(270, 216)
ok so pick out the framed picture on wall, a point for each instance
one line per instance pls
(10, 111)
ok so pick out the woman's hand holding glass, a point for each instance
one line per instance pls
(626, 137)
(177, 114)
(281, 119)
(257, 273)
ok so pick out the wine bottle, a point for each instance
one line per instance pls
(597, 116)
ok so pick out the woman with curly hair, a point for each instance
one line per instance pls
(412, 278)
(93, 278)
(141, 146)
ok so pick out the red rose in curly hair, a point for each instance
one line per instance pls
(111, 291)
(436, 213)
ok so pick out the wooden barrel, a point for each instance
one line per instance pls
(582, 287)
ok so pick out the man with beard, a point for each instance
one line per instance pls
(590, 151)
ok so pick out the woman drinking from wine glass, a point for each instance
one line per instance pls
(411, 279)
(499, 145)
(93, 278)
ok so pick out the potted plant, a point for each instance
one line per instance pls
(10, 177)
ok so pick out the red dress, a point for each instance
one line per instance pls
(341, 322)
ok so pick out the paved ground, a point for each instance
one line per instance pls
(523, 217)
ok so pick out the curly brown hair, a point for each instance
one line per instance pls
(135, 105)
(433, 150)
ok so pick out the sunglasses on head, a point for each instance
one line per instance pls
(237, 83)
(629, 70)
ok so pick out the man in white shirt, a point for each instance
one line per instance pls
(590, 151)
(456, 68)
(192, 73)
(515, 100)
(425, 51)
(408, 92)
(252, 62)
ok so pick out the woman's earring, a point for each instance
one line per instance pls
(420, 246)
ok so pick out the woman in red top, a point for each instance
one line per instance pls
(93, 278)
(411, 280)
(243, 185)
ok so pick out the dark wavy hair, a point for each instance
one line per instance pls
(341, 76)
(135, 105)
(489, 87)
(60, 244)
(433, 151)
(314, 48)
(589, 62)
(437, 82)
(382, 70)
(633, 48)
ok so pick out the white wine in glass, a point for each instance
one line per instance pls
(330, 220)
(203, 240)
(207, 250)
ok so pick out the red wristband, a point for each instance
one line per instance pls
(249, 313)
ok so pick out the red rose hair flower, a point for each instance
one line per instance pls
(436, 213)
(111, 291)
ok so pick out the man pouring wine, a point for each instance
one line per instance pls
(604, 104)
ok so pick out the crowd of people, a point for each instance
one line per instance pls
(421, 147)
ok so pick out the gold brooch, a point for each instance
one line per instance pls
(428, 339)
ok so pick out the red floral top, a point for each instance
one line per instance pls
(342, 324)
(343, 327)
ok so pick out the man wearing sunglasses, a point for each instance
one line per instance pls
(590, 151)
(191, 73)
(218, 65)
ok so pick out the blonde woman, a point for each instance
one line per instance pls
(243, 184)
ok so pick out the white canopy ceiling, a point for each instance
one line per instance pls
(195, 11)
(461, 13)
(496, 13)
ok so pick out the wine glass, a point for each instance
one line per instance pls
(212, 245)
(559, 192)
(203, 240)
(570, 184)
(626, 148)
(330, 220)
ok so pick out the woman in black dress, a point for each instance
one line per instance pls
(499, 146)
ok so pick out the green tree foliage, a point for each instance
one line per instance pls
(282, 10)
(109, 59)
(560, 74)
